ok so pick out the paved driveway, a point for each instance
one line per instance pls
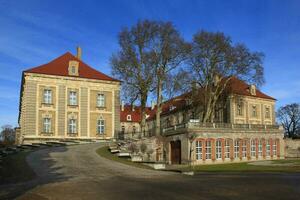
(77, 172)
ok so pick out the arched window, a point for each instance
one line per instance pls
(236, 148)
(274, 147)
(72, 126)
(208, 149)
(244, 148)
(253, 147)
(218, 149)
(268, 147)
(260, 147)
(227, 148)
(199, 147)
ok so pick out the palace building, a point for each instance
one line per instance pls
(67, 99)
(244, 128)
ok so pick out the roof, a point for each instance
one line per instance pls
(136, 115)
(60, 65)
(235, 86)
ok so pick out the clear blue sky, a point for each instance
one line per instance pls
(33, 32)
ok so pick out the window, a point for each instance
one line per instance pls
(100, 126)
(253, 148)
(73, 70)
(267, 112)
(244, 148)
(227, 148)
(260, 148)
(128, 117)
(254, 111)
(239, 108)
(47, 125)
(123, 129)
(100, 100)
(208, 149)
(73, 98)
(236, 149)
(218, 149)
(268, 148)
(274, 149)
(72, 126)
(198, 150)
(47, 96)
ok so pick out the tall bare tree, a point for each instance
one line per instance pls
(7, 135)
(214, 60)
(170, 50)
(133, 64)
(289, 117)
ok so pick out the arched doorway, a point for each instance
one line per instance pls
(175, 152)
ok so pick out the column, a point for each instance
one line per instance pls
(256, 148)
(223, 148)
(248, 149)
(271, 147)
(203, 149)
(213, 149)
(264, 148)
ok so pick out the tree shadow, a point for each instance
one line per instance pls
(45, 170)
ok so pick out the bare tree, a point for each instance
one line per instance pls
(133, 64)
(8, 135)
(289, 117)
(170, 50)
(214, 60)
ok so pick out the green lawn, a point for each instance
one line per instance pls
(14, 169)
(246, 167)
(104, 152)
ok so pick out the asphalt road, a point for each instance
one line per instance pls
(77, 172)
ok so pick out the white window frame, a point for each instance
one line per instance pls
(101, 126)
(128, 117)
(199, 148)
(244, 148)
(268, 147)
(72, 126)
(267, 112)
(208, 149)
(260, 148)
(47, 125)
(253, 148)
(47, 96)
(218, 149)
(100, 100)
(236, 148)
(73, 98)
(254, 111)
(227, 148)
(274, 147)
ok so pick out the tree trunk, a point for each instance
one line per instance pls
(158, 110)
(143, 121)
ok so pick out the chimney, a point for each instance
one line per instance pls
(152, 105)
(122, 106)
(78, 53)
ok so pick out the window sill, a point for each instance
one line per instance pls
(47, 104)
(101, 107)
(47, 133)
(73, 106)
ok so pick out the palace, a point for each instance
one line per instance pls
(67, 99)
(245, 128)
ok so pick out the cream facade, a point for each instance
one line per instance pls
(54, 107)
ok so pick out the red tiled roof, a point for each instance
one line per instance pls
(59, 67)
(235, 86)
(135, 115)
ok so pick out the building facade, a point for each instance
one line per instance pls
(244, 129)
(67, 99)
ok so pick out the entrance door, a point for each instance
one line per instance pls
(176, 152)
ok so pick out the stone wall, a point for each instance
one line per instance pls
(292, 148)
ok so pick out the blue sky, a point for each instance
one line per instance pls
(34, 32)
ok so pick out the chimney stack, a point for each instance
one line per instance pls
(78, 53)
(122, 106)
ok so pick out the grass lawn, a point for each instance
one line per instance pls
(14, 169)
(104, 152)
(246, 167)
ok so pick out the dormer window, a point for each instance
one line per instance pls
(73, 68)
(128, 117)
(252, 90)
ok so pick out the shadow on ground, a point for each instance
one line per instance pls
(50, 173)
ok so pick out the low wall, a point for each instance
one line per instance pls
(292, 148)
